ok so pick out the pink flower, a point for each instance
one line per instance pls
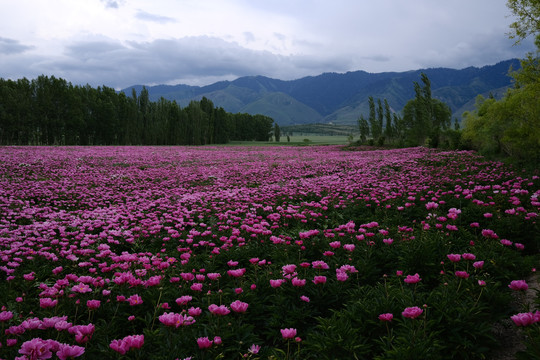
(213, 276)
(204, 342)
(386, 317)
(454, 257)
(298, 282)
(176, 320)
(120, 346)
(217, 340)
(45, 303)
(319, 279)
(81, 288)
(304, 298)
(236, 272)
(183, 300)
(412, 279)
(5, 316)
(135, 300)
(288, 269)
(523, 319)
(388, 241)
(341, 275)
(218, 310)
(518, 285)
(431, 205)
(478, 264)
(194, 311)
(196, 287)
(468, 256)
(66, 351)
(319, 264)
(254, 349)
(93, 304)
(239, 306)
(36, 349)
(481, 283)
(289, 333)
(134, 341)
(276, 283)
(462, 274)
(412, 312)
(506, 242)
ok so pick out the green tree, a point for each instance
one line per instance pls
(363, 127)
(528, 14)
(277, 132)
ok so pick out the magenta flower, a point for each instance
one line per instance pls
(524, 319)
(412, 279)
(298, 282)
(412, 312)
(194, 311)
(518, 285)
(93, 304)
(386, 317)
(319, 279)
(183, 300)
(478, 264)
(45, 303)
(454, 257)
(236, 272)
(288, 269)
(254, 349)
(304, 298)
(469, 256)
(462, 274)
(239, 306)
(219, 310)
(289, 333)
(276, 283)
(172, 319)
(5, 316)
(81, 288)
(204, 342)
(66, 351)
(217, 340)
(36, 349)
(135, 300)
(120, 346)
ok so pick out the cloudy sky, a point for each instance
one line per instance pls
(119, 43)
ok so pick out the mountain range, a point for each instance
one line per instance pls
(340, 98)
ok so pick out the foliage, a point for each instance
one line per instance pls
(50, 111)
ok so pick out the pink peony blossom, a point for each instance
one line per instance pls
(412, 312)
(288, 333)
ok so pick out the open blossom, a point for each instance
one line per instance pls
(518, 285)
(288, 333)
(6, 315)
(412, 279)
(81, 288)
(319, 279)
(47, 303)
(122, 346)
(218, 310)
(275, 283)
(183, 300)
(135, 299)
(239, 306)
(288, 269)
(93, 304)
(66, 351)
(36, 348)
(204, 342)
(298, 282)
(176, 320)
(454, 257)
(462, 274)
(412, 312)
(254, 349)
(236, 272)
(526, 319)
(386, 317)
(478, 264)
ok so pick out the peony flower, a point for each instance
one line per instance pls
(386, 317)
(135, 300)
(518, 285)
(523, 319)
(412, 312)
(66, 351)
(289, 333)
(462, 274)
(5, 316)
(412, 279)
(183, 300)
(204, 342)
(93, 304)
(36, 349)
(239, 306)
(319, 279)
(454, 257)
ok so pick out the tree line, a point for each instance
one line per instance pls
(52, 111)
(425, 121)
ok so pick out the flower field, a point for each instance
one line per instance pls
(263, 253)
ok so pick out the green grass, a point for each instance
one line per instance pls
(298, 140)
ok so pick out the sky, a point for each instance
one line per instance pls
(119, 43)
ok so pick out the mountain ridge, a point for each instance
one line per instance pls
(339, 97)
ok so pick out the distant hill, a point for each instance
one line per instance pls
(340, 98)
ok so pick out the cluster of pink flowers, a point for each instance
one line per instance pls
(122, 346)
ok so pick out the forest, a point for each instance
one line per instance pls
(52, 111)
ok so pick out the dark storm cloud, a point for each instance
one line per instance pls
(145, 16)
(189, 60)
(11, 46)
